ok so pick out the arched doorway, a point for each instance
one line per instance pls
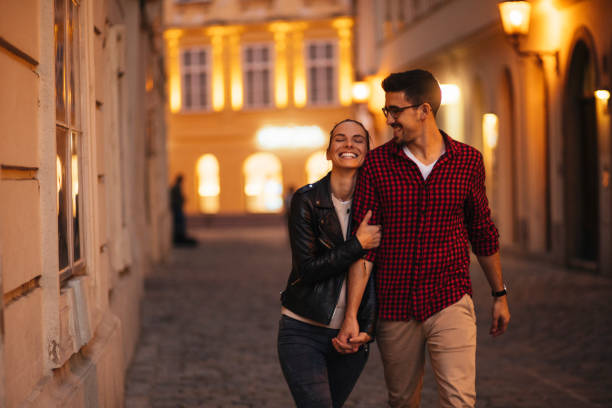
(317, 166)
(581, 160)
(507, 162)
(208, 184)
(263, 183)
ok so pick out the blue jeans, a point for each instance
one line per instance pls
(318, 376)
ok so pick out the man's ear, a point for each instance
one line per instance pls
(426, 110)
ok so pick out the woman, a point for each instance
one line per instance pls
(313, 302)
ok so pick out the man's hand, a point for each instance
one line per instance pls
(501, 316)
(349, 330)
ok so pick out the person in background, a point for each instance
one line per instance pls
(179, 223)
(313, 302)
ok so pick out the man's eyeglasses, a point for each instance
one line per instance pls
(395, 111)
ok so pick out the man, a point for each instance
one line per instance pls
(427, 191)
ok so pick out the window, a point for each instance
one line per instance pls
(321, 66)
(208, 183)
(195, 78)
(68, 137)
(263, 183)
(257, 65)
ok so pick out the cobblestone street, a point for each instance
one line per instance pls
(209, 321)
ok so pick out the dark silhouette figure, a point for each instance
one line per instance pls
(179, 223)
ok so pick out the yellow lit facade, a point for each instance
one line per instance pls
(268, 92)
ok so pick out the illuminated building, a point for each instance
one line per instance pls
(532, 94)
(255, 87)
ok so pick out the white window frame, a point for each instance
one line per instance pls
(322, 63)
(195, 69)
(258, 67)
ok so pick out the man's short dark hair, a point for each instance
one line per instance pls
(419, 86)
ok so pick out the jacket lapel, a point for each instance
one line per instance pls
(330, 225)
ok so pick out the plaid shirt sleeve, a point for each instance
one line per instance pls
(365, 198)
(482, 232)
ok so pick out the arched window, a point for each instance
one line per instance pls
(317, 166)
(208, 184)
(263, 183)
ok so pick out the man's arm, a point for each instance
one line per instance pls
(350, 338)
(491, 267)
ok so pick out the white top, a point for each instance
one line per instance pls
(343, 210)
(425, 169)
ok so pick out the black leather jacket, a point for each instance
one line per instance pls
(321, 258)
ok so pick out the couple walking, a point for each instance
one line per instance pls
(402, 274)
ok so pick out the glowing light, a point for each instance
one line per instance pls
(75, 183)
(217, 73)
(377, 99)
(515, 17)
(290, 137)
(236, 72)
(361, 92)
(299, 71)
(174, 83)
(281, 80)
(490, 129)
(603, 95)
(450, 94)
(317, 166)
(343, 25)
(263, 183)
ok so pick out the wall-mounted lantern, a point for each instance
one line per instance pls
(515, 16)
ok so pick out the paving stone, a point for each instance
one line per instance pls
(210, 315)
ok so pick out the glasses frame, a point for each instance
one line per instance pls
(398, 110)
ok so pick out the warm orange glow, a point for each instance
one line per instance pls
(515, 17)
(218, 90)
(263, 183)
(236, 72)
(490, 130)
(377, 97)
(603, 95)
(361, 92)
(299, 70)
(208, 183)
(317, 166)
(280, 71)
(174, 83)
(345, 69)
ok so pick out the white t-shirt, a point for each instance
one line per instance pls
(425, 169)
(343, 210)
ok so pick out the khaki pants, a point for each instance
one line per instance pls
(450, 337)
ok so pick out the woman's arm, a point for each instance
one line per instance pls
(313, 267)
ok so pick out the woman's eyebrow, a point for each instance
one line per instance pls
(340, 134)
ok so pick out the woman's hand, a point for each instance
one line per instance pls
(368, 235)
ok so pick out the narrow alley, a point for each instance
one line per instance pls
(210, 317)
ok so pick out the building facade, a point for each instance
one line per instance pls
(254, 88)
(532, 109)
(84, 208)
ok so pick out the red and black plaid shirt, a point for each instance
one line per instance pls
(422, 263)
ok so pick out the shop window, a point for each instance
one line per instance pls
(68, 137)
(208, 184)
(263, 185)
(317, 166)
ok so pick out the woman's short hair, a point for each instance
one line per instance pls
(331, 132)
(419, 86)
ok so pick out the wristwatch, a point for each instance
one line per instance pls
(500, 293)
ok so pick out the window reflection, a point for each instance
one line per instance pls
(60, 45)
(76, 205)
(62, 204)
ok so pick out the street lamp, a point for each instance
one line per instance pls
(515, 16)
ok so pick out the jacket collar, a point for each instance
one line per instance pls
(322, 196)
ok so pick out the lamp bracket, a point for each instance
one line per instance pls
(538, 55)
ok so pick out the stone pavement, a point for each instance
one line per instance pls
(210, 317)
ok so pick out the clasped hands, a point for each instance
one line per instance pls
(349, 338)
